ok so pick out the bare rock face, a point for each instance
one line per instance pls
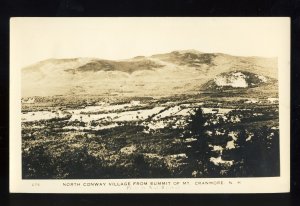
(237, 80)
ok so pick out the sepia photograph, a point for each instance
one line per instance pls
(201, 99)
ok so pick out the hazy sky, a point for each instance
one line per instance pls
(35, 39)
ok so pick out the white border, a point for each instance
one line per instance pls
(229, 185)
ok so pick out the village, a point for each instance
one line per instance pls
(153, 134)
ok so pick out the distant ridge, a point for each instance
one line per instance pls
(176, 72)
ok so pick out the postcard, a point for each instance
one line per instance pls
(150, 105)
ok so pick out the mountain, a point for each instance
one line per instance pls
(237, 80)
(177, 72)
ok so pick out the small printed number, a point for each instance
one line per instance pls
(35, 184)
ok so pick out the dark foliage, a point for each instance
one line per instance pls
(54, 153)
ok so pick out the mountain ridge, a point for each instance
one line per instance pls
(176, 72)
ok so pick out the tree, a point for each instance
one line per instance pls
(258, 156)
(198, 154)
(197, 121)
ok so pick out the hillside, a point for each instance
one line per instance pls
(177, 72)
(238, 80)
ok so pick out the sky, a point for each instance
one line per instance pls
(36, 39)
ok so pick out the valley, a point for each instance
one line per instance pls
(183, 114)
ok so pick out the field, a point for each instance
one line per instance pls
(203, 135)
